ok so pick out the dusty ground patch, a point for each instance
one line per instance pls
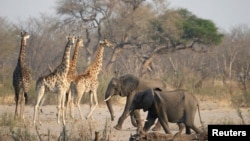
(211, 112)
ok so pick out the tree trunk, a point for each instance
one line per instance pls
(116, 51)
(147, 65)
(110, 64)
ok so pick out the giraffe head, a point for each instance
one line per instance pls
(25, 36)
(79, 42)
(106, 43)
(71, 39)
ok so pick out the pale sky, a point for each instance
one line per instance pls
(20, 10)
(226, 14)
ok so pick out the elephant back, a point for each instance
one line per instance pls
(154, 83)
(178, 95)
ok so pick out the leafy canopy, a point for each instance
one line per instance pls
(201, 30)
(182, 28)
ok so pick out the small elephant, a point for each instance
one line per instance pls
(168, 106)
(127, 86)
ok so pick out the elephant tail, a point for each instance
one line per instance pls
(202, 123)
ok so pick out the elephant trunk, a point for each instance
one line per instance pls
(135, 117)
(109, 105)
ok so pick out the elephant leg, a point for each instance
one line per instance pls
(190, 123)
(163, 119)
(150, 121)
(181, 127)
(136, 118)
(125, 113)
(157, 126)
(188, 131)
(192, 126)
(118, 126)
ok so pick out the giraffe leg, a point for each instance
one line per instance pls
(94, 95)
(40, 92)
(63, 108)
(73, 92)
(22, 104)
(89, 116)
(24, 98)
(20, 107)
(71, 106)
(40, 110)
(59, 106)
(67, 102)
(79, 108)
(79, 93)
(17, 92)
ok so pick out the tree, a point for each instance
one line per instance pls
(9, 47)
(137, 25)
(178, 30)
(128, 28)
(46, 43)
(86, 16)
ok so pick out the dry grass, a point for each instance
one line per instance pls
(7, 100)
(19, 130)
(228, 94)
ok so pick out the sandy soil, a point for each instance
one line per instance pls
(211, 113)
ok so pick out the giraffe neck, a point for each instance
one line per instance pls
(21, 59)
(96, 67)
(75, 57)
(64, 66)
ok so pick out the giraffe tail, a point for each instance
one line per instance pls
(26, 97)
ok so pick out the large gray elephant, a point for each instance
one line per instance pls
(127, 86)
(168, 106)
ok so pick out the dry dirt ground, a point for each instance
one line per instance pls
(211, 113)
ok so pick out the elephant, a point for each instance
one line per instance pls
(175, 106)
(127, 86)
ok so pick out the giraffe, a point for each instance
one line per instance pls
(72, 74)
(88, 82)
(21, 78)
(55, 82)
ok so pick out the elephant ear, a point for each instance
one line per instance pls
(115, 79)
(148, 99)
(116, 84)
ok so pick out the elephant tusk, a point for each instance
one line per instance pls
(107, 98)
